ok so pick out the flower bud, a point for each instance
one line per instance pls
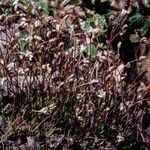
(119, 45)
(143, 40)
(128, 65)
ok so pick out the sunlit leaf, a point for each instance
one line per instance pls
(134, 38)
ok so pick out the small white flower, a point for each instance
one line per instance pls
(143, 40)
(21, 57)
(66, 53)
(43, 66)
(82, 48)
(119, 45)
(37, 23)
(64, 2)
(15, 2)
(86, 61)
(121, 106)
(1, 17)
(106, 53)
(57, 27)
(128, 65)
(71, 76)
(33, 11)
(79, 96)
(49, 70)
(80, 118)
(22, 15)
(21, 71)
(117, 73)
(30, 142)
(124, 12)
(142, 57)
(23, 24)
(101, 93)
(77, 111)
(40, 8)
(48, 33)
(2, 61)
(139, 96)
(47, 67)
(17, 34)
(97, 65)
(23, 19)
(96, 31)
(29, 55)
(45, 110)
(26, 69)
(88, 40)
(121, 33)
(12, 40)
(17, 12)
(81, 78)
(93, 81)
(111, 68)
(101, 57)
(120, 138)
(3, 81)
(107, 109)
(125, 26)
(90, 110)
(29, 38)
(10, 66)
(38, 37)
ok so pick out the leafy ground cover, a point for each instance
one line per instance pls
(71, 76)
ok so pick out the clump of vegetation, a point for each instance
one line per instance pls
(63, 77)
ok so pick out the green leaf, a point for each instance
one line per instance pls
(45, 6)
(140, 22)
(134, 38)
(22, 44)
(73, 2)
(96, 21)
(91, 49)
(87, 26)
(26, 2)
(145, 27)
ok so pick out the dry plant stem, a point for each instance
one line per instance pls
(92, 104)
(134, 82)
(115, 27)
